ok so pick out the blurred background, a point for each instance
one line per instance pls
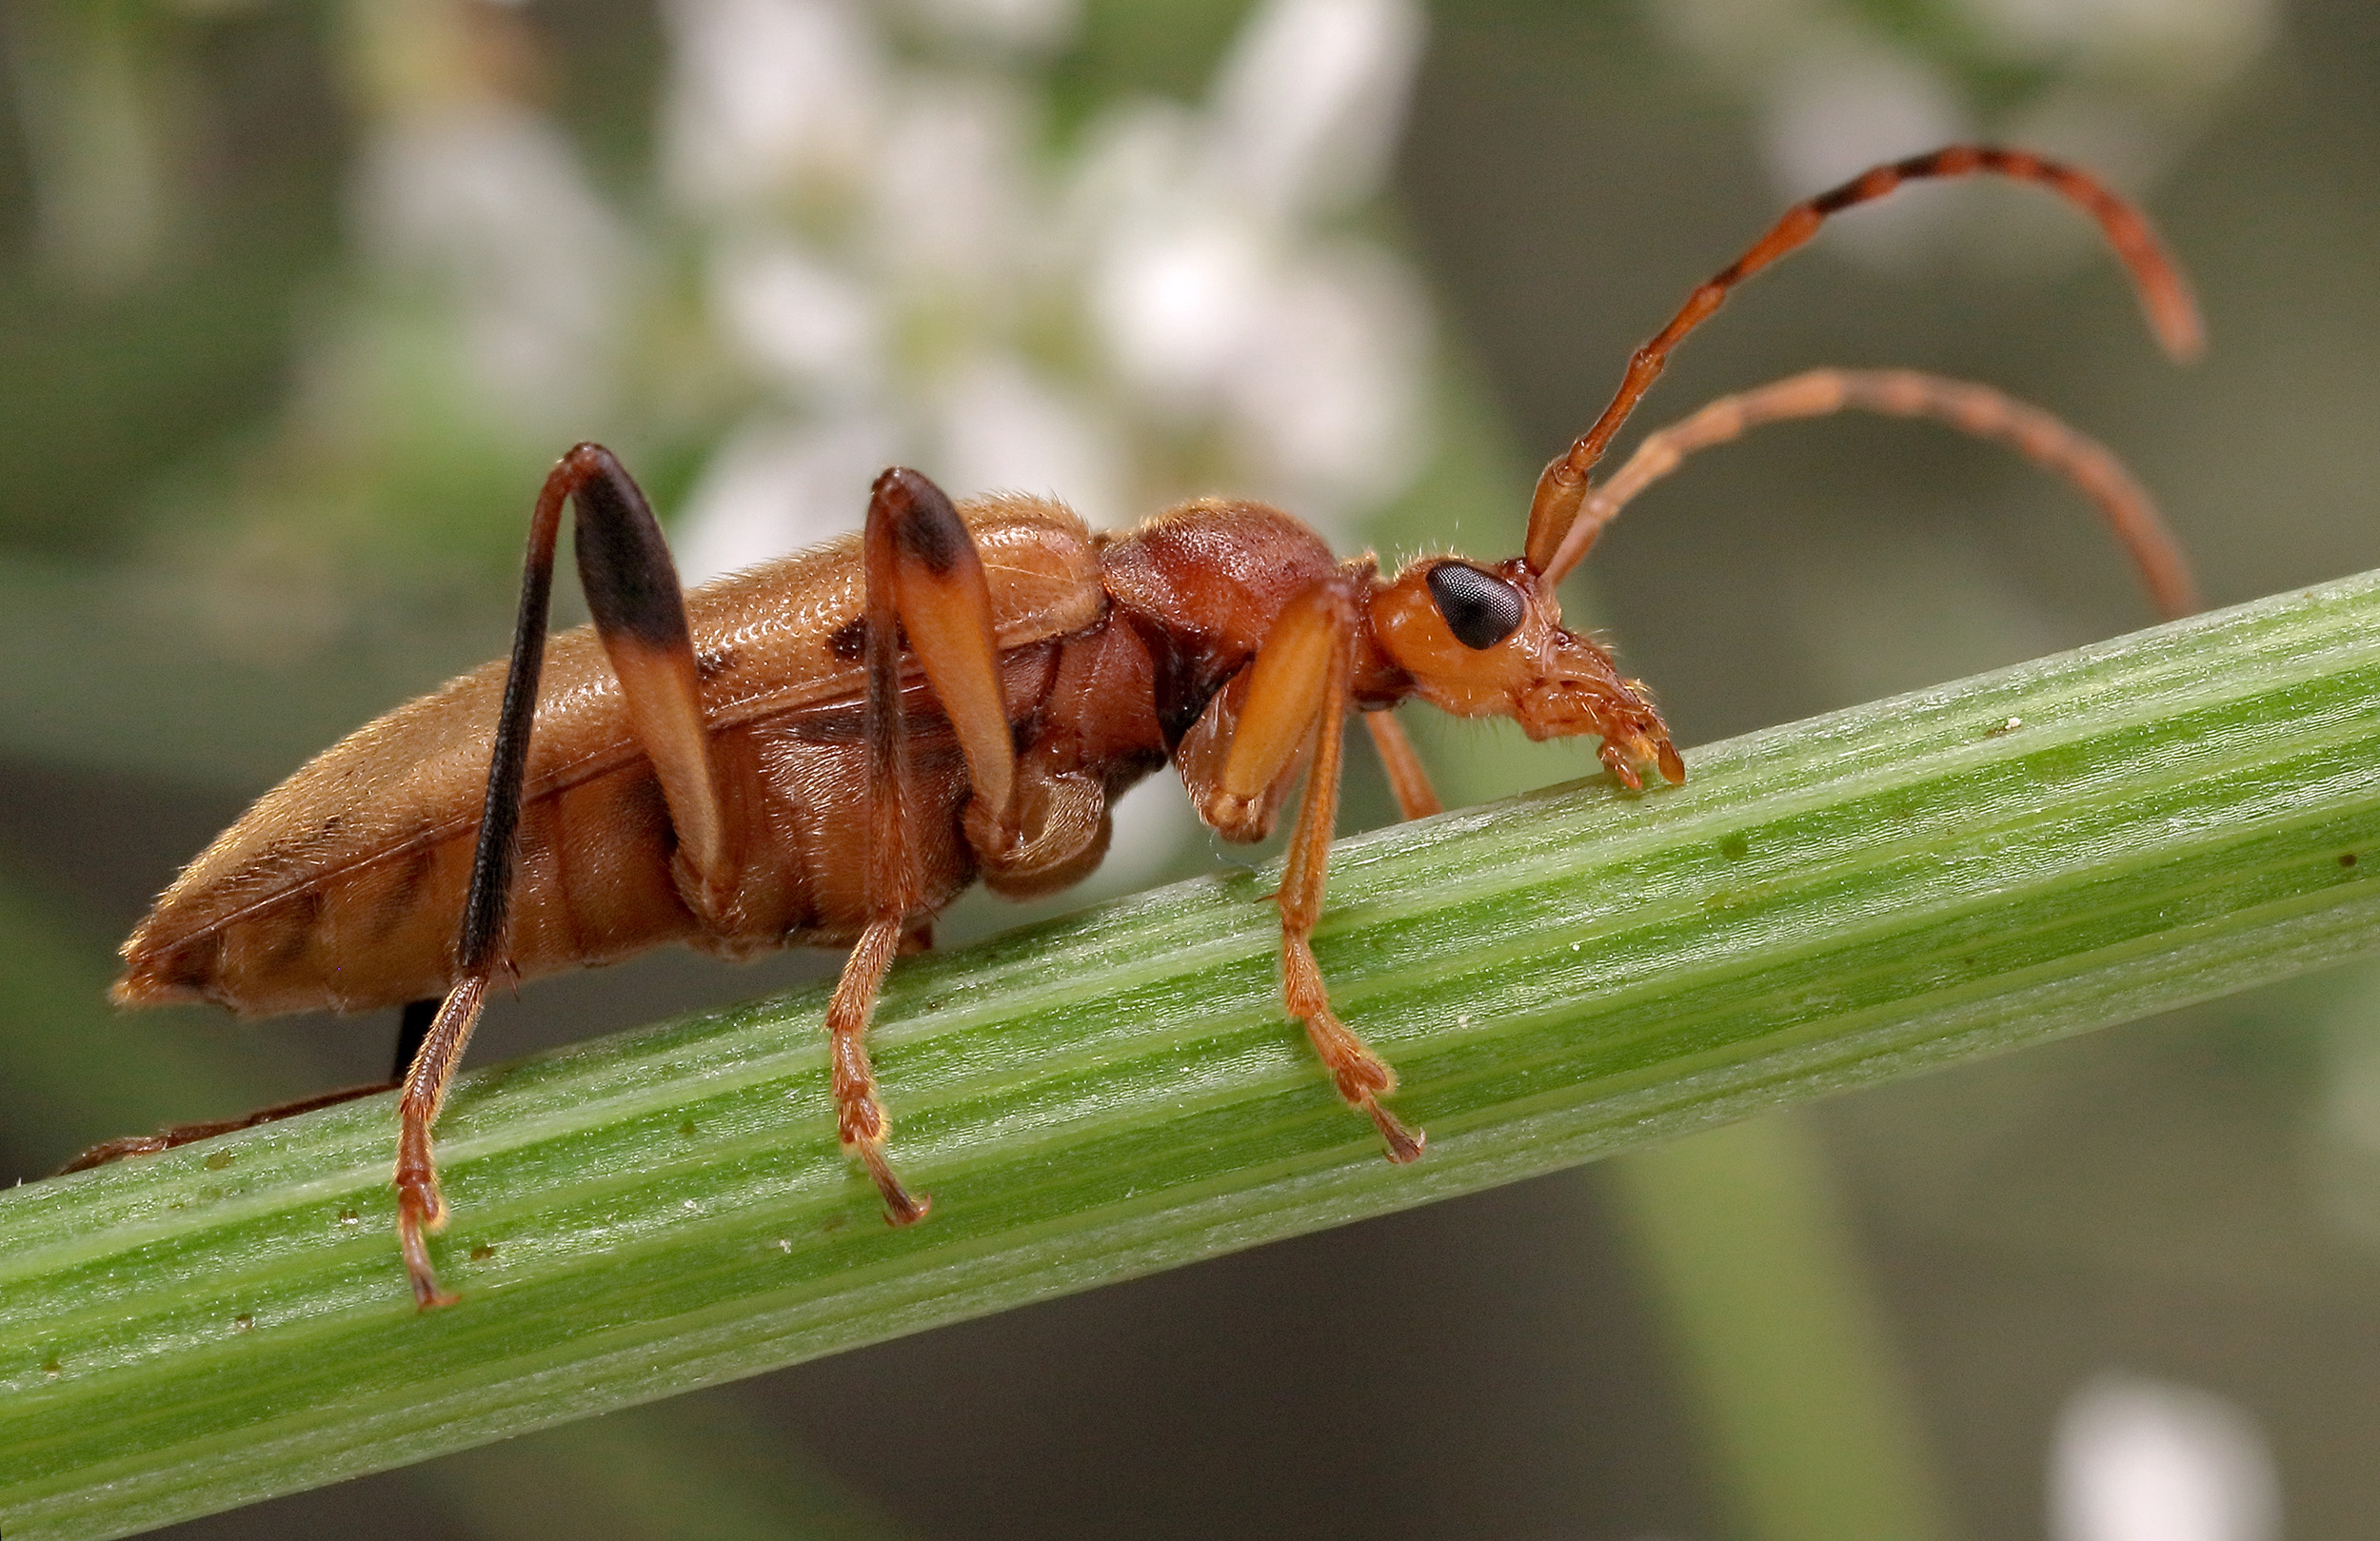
(298, 298)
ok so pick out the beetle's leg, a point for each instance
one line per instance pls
(933, 576)
(633, 595)
(1298, 699)
(859, 1121)
(633, 591)
(1273, 709)
(1407, 776)
(173, 1134)
(923, 577)
(410, 1027)
(1032, 828)
(421, 1207)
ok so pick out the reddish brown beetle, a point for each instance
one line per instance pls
(960, 692)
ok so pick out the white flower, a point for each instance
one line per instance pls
(952, 184)
(933, 270)
(1036, 26)
(1220, 298)
(814, 330)
(1001, 426)
(2145, 1460)
(486, 204)
(765, 94)
(1308, 107)
(777, 484)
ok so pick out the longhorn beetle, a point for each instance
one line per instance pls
(958, 692)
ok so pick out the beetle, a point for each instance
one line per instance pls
(960, 692)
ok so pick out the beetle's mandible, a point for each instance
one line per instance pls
(958, 693)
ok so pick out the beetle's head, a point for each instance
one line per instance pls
(1489, 642)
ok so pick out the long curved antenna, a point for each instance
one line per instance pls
(2164, 296)
(1962, 404)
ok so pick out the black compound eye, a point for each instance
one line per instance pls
(1480, 608)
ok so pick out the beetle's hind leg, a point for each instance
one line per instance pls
(631, 589)
(190, 1134)
(410, 1026)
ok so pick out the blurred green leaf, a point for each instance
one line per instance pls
(693, 1470)
(1810, 1427)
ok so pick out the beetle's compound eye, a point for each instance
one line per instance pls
(1480, 608)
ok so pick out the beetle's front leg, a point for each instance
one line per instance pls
(1294, 706)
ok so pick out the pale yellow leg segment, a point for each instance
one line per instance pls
(919, 549)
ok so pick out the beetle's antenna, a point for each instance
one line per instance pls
(1962, 404)
(2164, 296)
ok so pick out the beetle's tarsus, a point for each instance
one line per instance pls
(174, 1135)
(1360, 1076)
(108, 1152)
(901, 1207)
(1405, 1143)
(420, 1210)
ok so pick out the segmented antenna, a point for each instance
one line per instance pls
(2165, 298)
(1962, 404)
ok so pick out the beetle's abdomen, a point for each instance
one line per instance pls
(265, 921)
(592, 885)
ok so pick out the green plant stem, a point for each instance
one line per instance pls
(2069, 843)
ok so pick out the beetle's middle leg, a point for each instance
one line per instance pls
(924, 585)
(631, 589)
(1408, 779)
(1027, 825)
